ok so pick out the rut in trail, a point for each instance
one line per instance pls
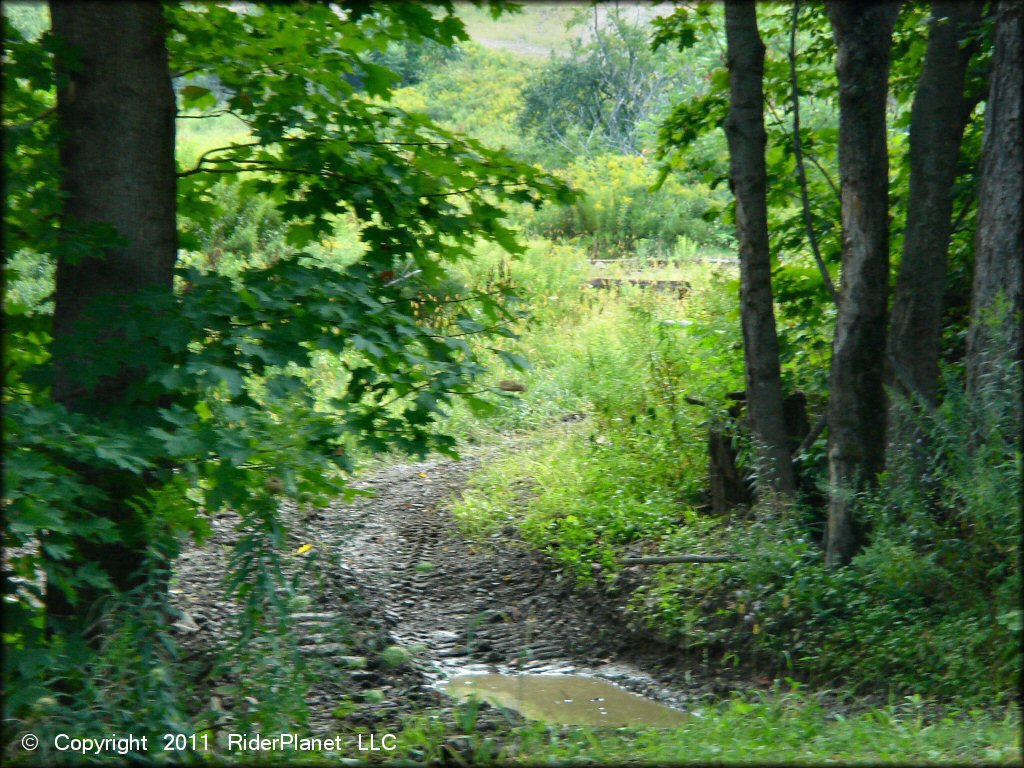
(395, 567)
(497, 605)
(494, 603)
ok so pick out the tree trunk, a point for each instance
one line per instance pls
(116, 111)
(748, 179)
(856, 451)
(938, 118)
(999, 241)
(728, 486)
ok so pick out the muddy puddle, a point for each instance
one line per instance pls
(564, 699)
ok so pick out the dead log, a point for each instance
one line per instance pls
(631, 261)
(679, 287)
(729, 488)
(794, 409)
(668, 559)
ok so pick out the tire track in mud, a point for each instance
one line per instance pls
(495, 606)
(394, 568)
(492, 603)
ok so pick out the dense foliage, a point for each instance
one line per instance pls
(621, 216)
(376, 229)
(602, 95)
(223, 417)
(633, 478)
(928, 608)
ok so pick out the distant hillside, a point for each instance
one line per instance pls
(540, 28)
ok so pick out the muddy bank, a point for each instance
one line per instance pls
(400, 600)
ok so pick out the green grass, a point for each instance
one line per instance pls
(929, 607)
(582, 496)
(632, 470)
(772, 731)
(197, 135)
(768, 727)
(592, 350)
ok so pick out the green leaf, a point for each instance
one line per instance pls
(516, 362)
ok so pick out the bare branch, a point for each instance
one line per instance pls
(488, 329)
(824, 174)
(819, 427)
(401, 278)
(798, 151)
(439, 302)
(32, 121)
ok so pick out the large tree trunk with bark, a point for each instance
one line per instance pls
(116, 111)
(748, 179)
(999, 242)
(938, 118)
(856, 451)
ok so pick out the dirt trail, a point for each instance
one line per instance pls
(497, 606)
(495, 603)
(397, 563)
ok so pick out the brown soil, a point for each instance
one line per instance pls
(394, 569)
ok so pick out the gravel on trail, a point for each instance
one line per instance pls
(400, 600)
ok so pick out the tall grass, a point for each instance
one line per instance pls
(777, 726)
(196, 135)
(929, 606)
(622, 215)
(588, 348)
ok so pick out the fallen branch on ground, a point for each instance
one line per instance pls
(679, 559)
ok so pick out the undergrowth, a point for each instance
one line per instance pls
(929, 606)
(767, 726)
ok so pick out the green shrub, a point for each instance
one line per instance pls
(415, 61)
(620, 210)
(29, 281)
(634, 469)
(603, 94)
(930, 605)
(478, 93)
(247, 231)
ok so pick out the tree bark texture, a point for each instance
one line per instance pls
(999, 240)
(856, 452)
(938, 118)
(728, 485)
(116, 111)
(748, 179)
